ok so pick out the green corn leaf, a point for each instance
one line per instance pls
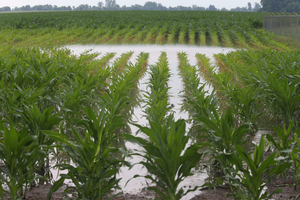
(58, 184)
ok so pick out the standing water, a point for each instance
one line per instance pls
(136, 185)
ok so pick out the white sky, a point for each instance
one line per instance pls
(204, 3)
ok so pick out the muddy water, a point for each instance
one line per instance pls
(135, 185)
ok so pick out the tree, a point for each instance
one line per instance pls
(249, 7)
(149, 5)
(110, 3)
(240, 9)
(100, 4)
(292, 7)
(6, 8)
(136, 7)
(212, 7)
(257, 6)
(83, 7)
(280, 5)
(25, 8)
(161, 7)
(195, 7)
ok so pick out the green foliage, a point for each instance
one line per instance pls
(295, 158)
(94, 174)
(252, 178)
(284, 97)
(280, 6)
(166, 157)
(221, 132)
(19, 151)
(284, 144)
(114, 27)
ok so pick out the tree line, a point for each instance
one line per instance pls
(281, 6)
(112, 5)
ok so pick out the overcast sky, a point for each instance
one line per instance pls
(205, 3)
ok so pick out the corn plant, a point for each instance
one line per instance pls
(250, 180)
(19, 151)
(165, 156)
(36, 122)
(284, 97)
(222, 136)
(157, 99)
(195, 97)
(183, 33)
(97, 131)
(295, 158)
(96, 167)
(284, 144)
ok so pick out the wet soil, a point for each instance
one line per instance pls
(284, 182)
(289, 192)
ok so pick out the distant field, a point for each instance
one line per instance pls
(232, 29)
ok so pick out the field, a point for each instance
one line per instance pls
(54, 104)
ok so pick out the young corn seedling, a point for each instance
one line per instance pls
(295, 158)
(19, 151)
(284, 98)
(165, 156)
(36, 122)
(96, 152)
(251, 180)
(222, 137)
(96, 166)
(284, 144)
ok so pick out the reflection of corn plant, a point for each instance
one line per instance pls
(191, 33)
(201, 30)
(252, 178)
(19, 151)
(182, 33)
(173, 32)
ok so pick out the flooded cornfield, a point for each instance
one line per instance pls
(135, 185)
